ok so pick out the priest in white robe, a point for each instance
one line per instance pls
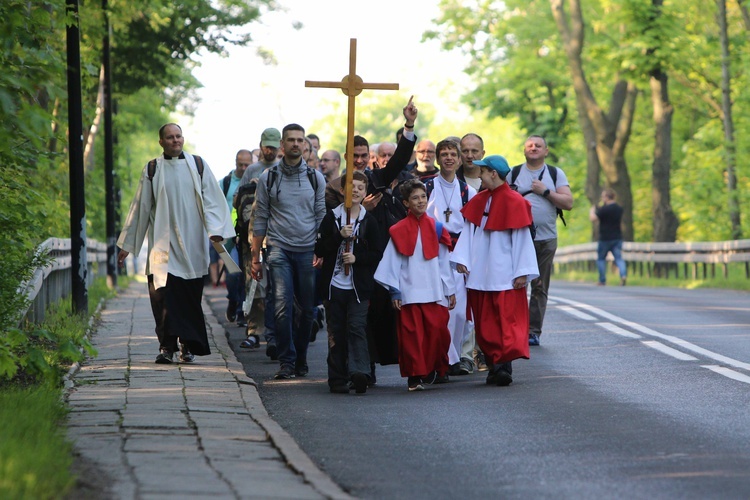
(496, 253)
(179, 206)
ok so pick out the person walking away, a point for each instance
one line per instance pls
(609, 215)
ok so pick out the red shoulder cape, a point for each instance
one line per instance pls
(508, 209)
(404, 235)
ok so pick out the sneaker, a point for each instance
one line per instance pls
(466, 366)
(441, 379)
(301, 369)
(429, 378)
(623, 281)
(231, 313)
(359, 381)
(165, 357)
(415, 384)
(241, 320)
(251, 342)
(185, 355)
(533, 339)
(455, 369)
(285, 373)
(272, 352)
(480, 362)
(339, 389)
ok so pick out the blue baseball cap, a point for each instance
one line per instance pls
(496, 162)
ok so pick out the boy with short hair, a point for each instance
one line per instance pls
(416, 271)
(350, 247)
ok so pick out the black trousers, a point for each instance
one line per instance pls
(178, 314)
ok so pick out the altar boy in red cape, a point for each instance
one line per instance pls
(496, 252)
(416, 271)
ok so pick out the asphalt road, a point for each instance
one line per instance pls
(634, 392)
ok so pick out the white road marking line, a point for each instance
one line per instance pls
(722, 370)
(653, 333)
(619, 331)
(668, 350)
(575, 312)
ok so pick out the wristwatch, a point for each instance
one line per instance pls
(545, 193)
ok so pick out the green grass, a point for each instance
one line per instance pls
(735, 279)
(35, 458)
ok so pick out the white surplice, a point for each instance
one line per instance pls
(420, 281)
(178, 210)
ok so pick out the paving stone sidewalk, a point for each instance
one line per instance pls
(187, 430)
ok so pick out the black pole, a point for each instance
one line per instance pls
(109, 162)
(79, 264)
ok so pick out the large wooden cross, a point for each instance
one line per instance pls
(351, 85)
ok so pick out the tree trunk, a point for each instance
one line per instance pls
(611, 130)
(745, 15)
(665, 222)
(88, 150)
(730, 146)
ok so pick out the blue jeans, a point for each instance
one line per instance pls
(602, 249)
(293, 276)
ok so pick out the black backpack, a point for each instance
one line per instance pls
(552, 173)
(198, 165)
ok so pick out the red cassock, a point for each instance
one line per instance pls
(501, 317)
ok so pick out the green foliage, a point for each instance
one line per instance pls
(520, 70)
(35, 458)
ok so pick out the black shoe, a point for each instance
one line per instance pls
(339, 389)
(500, 375)
(241, 320)
(359, 381)
(314, 331)
(231, 313)
(185, 355)
(165, 357)
(441, 379)
(455, 369)
(534, 339)
(285, 373)
(429, 378)
(272, 352)
(301, 369)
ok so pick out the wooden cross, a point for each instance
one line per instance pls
(351, 85)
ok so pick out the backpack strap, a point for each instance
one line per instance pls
(198, 166)
(464, 187)
(226, 182)
(273, 172)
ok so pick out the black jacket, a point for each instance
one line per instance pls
(367, 252)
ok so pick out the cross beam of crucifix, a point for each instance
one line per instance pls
(351, 85)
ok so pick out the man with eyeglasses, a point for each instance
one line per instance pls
(426, 168)
(330, 164)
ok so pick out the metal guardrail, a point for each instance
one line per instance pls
(663, 259)
(53, 282)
